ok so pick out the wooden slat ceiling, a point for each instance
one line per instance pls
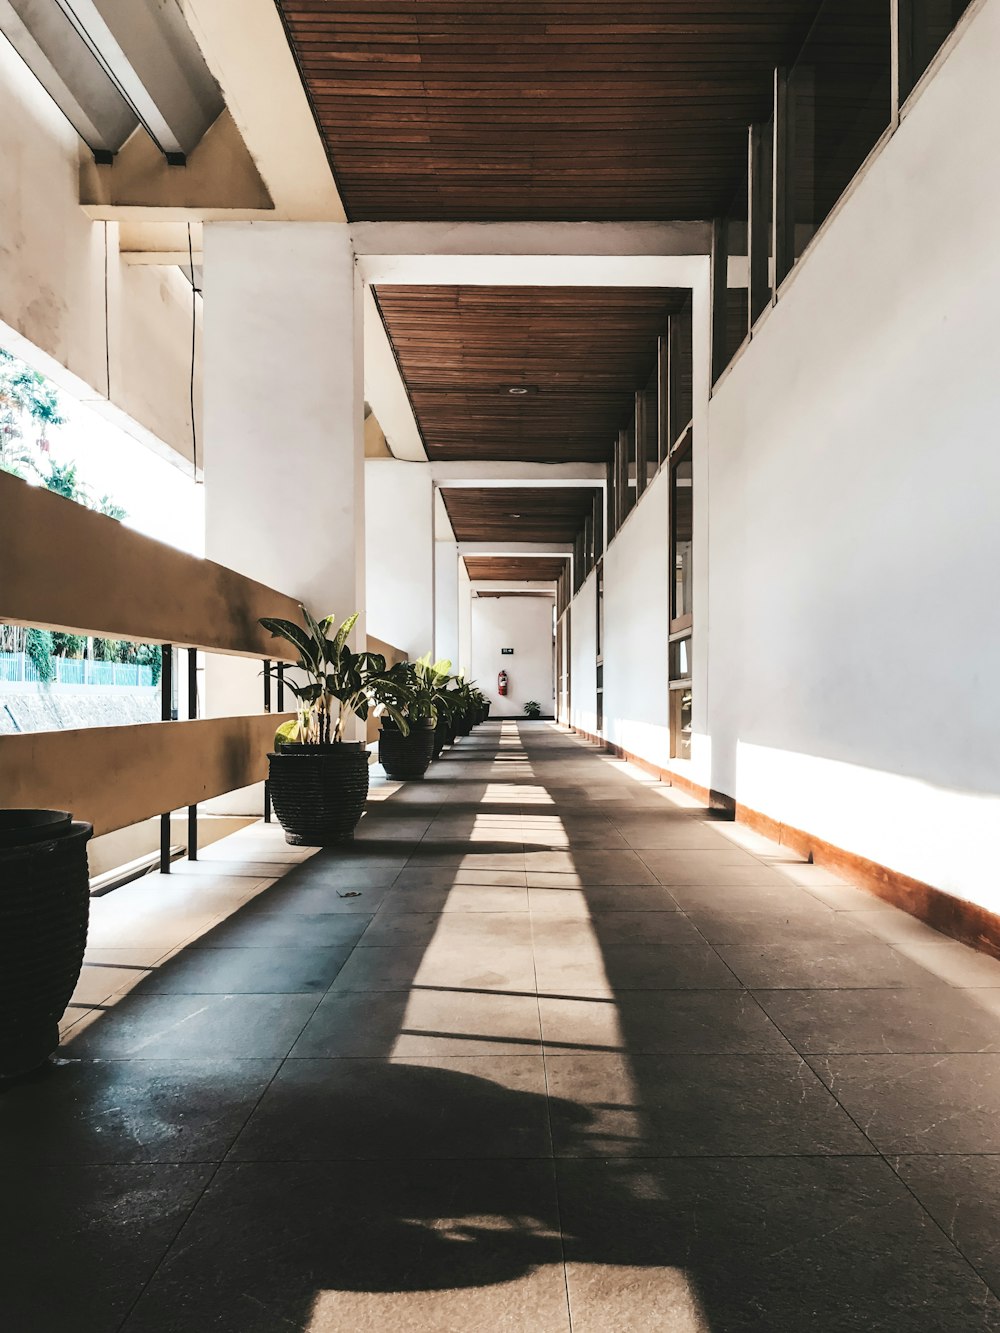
(539, 109)
(581, 352)
(514, 568)
(517, 514)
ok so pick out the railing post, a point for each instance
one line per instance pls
(166, 709)
(267, 709)
(192, 712)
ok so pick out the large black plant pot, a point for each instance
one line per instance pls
(463, 725)
(405, 758)
(318, 792)
(44, 911)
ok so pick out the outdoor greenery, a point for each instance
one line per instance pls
(29, 411)
(338, 682)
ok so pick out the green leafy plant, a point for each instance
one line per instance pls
(426, 682)
(338, 682)
(533, 708)
(38, 646)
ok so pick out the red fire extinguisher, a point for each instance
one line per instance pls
(502, 683)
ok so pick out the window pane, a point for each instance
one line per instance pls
(932, 21)
(838, 105)
(650, 418)
(682, 517)
(680, 659)
(680, 723)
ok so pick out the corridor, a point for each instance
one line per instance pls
(547, 1048)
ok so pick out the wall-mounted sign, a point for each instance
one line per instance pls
(507, 652)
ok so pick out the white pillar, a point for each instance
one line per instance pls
(284, 409)
(284, 428)
(446, 600)
(464, 618)
(399, 556)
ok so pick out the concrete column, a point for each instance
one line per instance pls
(464, 618)
(284, 427)
(284, 409)
(446, 600)
(399, 553)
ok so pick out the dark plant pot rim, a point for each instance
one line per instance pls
(421, 724)
(335, 747)
(20, 828)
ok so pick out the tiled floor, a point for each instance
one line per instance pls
(546, 1048)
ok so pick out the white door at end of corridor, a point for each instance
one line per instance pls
(523, 624)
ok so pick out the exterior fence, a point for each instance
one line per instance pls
(74, 671)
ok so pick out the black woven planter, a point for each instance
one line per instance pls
(44, 910)
(463, 725)
(406, 758)
(318, 792)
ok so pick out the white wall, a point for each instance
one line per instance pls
(399, 554)
(123, 345)
(854, 543)
(583, 657)
(446, 600)
(636, 625)
(524, 624)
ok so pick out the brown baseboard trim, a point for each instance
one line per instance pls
(954, 917)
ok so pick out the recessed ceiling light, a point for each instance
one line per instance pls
(520, 390)
(513, 515)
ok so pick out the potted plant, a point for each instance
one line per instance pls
(318, 782)
(533, 709)
(406, 755)
(44, 911)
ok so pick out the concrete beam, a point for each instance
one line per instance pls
(515, 548)
(484, 476)
(594, 254)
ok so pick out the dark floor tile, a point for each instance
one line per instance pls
(660, 1023)
(286, 929)
(886, 1021)
(919, 1103)
(779, 929)
(962, 1194)
(550, 931)
(793, 1245)
(80, 1242)
(444, 966)
(590, 866)
(421, 1023)
(367, 1247)
(500, 928)
(563, 895)
(731, 867)
(620, 967)
(786, 898)
(440, 1107)
(168, 1027)
(130, 1110)
(456, 898)
(694, 1106)
(824, 966)
(258, 971)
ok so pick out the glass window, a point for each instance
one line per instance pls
(680, 658)
(839, 104)
(680, 723)
(929, 23)
(681, 526)
(628, 470)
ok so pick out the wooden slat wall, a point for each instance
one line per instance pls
(581, 351)
(116, 776)
(540, 109)
(511, 568)
(546, 514)
(66, 567)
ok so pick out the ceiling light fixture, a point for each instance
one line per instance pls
(521, 390)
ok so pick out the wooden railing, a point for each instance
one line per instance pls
(65, 567)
